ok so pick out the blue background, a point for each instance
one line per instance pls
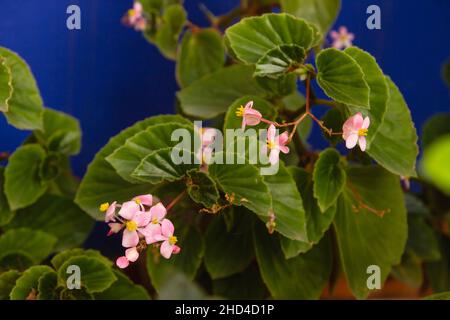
(109, 77)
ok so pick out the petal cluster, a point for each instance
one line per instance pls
(276, 143)
(250, 116)
(135, 17)
(355, 131)
(342, 39)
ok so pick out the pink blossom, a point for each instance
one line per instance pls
(145, 199)
(342, 39)
(208, 136)
(122, 262)
(114, 228)
(135, 17)
(153, 229)
(136, 222)
(169, 240)
(110, 211)
(250, 116)
(276, 143)
(355, 131)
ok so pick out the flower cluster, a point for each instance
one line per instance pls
(342, 39)
(143, 223)
(135, 17)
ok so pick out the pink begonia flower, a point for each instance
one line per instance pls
(342, 39)
(153, 229)
(145, 199)
(135, 18)
(208, 136)
(110, 211)
(122, 262)
(169, 240)
(276, 143)
(136, 222)
(132, 254)
(250, 116)
(355, 131)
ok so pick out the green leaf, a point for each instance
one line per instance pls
(7, 283)
(187, 261)
(292, 248)
(276, 88)
(232, 121)
(78, 294)
(246, 285)
(61, 132)
(439, 296)
(201, 188)
(96, 276)
(25, 106)
(365, 238)
(62, 257)
(6, 89)
(17, 260)
(159, 166)
(228, 251)
(409, 271)
(123, 289)
(435, 163)
(422, 239)
(47, 284)
(211, 95)
(434, 128)
(438, 272)
(302, 277)
(280, 60)
(329, 178)
(57, 216)
(252, 37)
(23, 185)
(26, 287)
(322, 13)
(201, 53)
(6, 214)
(166, 39)
(102, 184)
(395, 145)
(379, 91)
(287, 205)
(179, 287)
(128, 157)
(34, 243)
(342, 79)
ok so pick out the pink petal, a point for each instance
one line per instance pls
(347, 128)
(176, 249)
(145, 199)
(208, 136)
(132, 254)
(284, 149)
(122, 262)
(166, 249)
(158, 212)
(283, 138)
(252, 117)
(142, 218)
(130, 238)
(351, 141)
(129, 209)
(114, 228)
(362, 143)
(249, 105)
(152, 233)
(109, 216)
(334, 34)
(343, 30)
(271, 133)
(167, 228)
(274, 156)
(357, 121)
(366, 123)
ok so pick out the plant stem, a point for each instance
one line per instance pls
(176, 200)
(324, 102)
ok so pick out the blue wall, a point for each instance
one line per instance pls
(108, 76)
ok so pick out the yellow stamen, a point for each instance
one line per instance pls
(131, 225)
(104, 207)
(240, 111)
(270, 144)
(131, 13)
(173, 240)
(138, 201)
(155, 221)
(362, 132)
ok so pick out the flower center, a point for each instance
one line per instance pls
(131, 12)
(155, 221)
(362, 132)
(240, 111)
(104, 206)
(131, 225)
(173, 240)
(270, 144)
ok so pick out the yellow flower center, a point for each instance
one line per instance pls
(240, 111)
(173, 240)
(138, 201)
(362, 132)
(155, 221)
(131, 225)
(131, 13)
(270, 144)
(104, 207)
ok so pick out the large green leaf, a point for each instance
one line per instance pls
(364, 237)
(302, 277)
(23, 184)
(229, 251)
(128, 157)
(395, 144)
(62, 257)
(6, 214)
(57, 216)
(47, 285)
(187, 261)
(329, 178)
(7, 283)
(251, 38)
(26, 287)
(280, 60)
(322, 13)
(436, 161)
(201, 188)
(102, 184)
(25, 106)
(246, 285)
(123, 289)
(379, 91)
(36, 244)
(179, 287)
(201, 52)
(342, 79)
(211, 95)
(96, 276)
(277, 88)
(6, 88)
(409, 271)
